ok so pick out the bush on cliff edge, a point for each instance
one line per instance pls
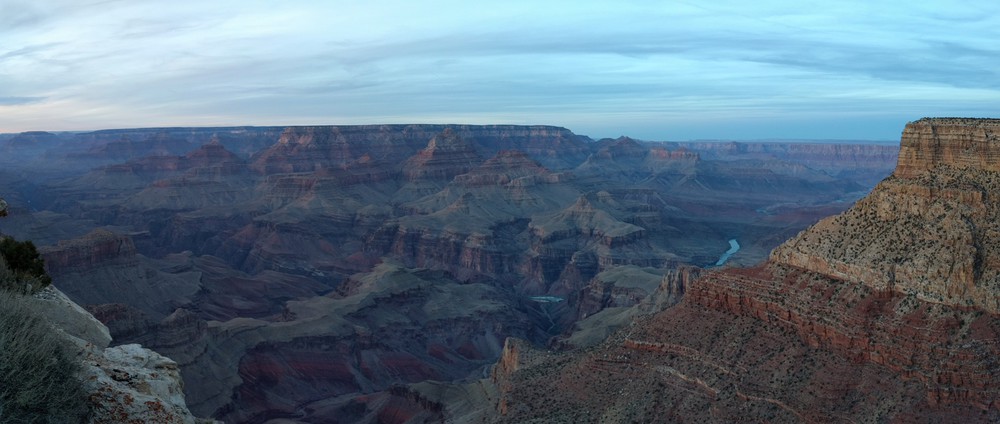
(25, 269)
(38, 373)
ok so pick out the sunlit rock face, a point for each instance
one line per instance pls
(886, 312)
(930, 230)
(963, 144)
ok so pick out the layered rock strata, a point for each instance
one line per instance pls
(863, 317)
(301, 149)
(446, 155)
(958, 143)
(104, 267)
(932, 229)
(99, 248)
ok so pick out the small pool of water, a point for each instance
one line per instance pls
(547, 299)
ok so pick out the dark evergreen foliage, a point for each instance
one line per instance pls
(26, 264)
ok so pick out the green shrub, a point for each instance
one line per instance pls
(38, 373)
(25, 264)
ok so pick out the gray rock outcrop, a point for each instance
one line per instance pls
(126, 383)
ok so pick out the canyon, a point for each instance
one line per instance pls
(378, 273)
(885, 312)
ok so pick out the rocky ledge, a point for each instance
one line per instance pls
(126, 383)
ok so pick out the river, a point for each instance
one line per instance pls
(733, 248)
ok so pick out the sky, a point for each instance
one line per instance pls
(655, 70)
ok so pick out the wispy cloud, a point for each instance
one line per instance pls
(667, 69)
(14, 101)
(26, 51)
(18, 14)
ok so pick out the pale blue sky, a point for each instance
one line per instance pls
(667, 70)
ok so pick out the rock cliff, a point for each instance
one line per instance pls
(886, 312)
(864, 161)
(99, 248)
(301, 149)
(932, 229)
(104, 267)
(958, 143)
(126, 383)
(446, 155)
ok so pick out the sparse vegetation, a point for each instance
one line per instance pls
(38, 382)
(38, 374)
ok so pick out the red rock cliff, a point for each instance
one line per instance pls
(972, 144)
(90, 251)
(932, 229)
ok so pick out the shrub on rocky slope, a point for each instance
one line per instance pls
(38, 382)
